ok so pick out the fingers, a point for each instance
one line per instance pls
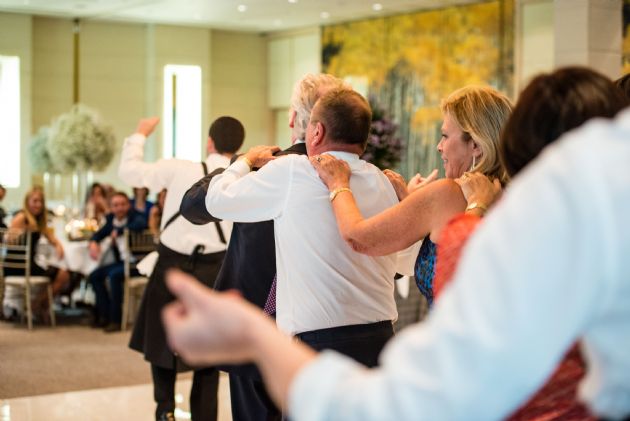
(497, 185)
(147, 125)
(186, 288)
(433, 176)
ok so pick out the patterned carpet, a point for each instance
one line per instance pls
(70, 357)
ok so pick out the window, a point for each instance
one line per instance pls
(10, 121)
(182, 112)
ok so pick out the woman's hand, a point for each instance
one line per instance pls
(335, 173)
(477, 188)
(418, 181)
(398, 182)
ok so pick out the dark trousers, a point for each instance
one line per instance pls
(203, 395)
(250, 401)
(362, 343)
(109, 305)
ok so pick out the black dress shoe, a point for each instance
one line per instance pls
(113, 327)
(166, 416)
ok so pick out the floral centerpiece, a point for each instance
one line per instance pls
(75, 143)
(80, 141)
(38, 152)
(384, 148)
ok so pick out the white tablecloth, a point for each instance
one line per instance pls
(76, 253)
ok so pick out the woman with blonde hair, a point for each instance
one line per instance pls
(32, 219)
(473, 119)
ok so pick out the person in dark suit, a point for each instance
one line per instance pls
(108, 305)
(250, 260)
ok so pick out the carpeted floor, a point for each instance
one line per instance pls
(66, 358)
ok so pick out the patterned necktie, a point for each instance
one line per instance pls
(270, 305)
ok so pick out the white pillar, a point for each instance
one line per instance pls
(588, 33)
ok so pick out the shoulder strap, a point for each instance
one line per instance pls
(177, 214)
(217, 225)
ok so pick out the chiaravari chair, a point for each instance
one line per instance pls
(15, 253)
(139, 244)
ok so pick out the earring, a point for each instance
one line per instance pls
(473, 164)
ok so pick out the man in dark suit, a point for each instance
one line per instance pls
(250, 261)
(108, 307)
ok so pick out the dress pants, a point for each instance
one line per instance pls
(109, 304)
(250, 400)
(362, 343)
(203, 395)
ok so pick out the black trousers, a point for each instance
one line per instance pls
(362, 343)
(203, 395)
(250, 400)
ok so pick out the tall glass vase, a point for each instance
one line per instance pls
(80, 183)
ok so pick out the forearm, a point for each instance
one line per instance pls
(379, 235)
(132, 155)
(238, 196)
(193, 205)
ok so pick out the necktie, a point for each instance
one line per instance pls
(270, 305)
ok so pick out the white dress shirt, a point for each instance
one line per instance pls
(177, 176)
(550, 264)
(322, 282)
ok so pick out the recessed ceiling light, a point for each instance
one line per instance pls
(324, 15)
(293, 1)
(241, 8)
(377, 7)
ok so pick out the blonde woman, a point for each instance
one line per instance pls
(473, 119)
(32, 218)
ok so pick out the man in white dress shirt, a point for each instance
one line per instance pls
(197, 249)
(328, 295)
(531, 281)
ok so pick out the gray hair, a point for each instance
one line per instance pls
(306, 92)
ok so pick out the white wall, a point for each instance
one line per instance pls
(291, 55)
(121, 71)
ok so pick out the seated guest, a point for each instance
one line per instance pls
(550, 105)
(140, 203)
(96, 206)
(108, 307)
(3, 213)
(33, 218)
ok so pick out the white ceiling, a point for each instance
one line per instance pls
(259, 16)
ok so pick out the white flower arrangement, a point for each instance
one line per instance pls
(38, 152)
(78, 141)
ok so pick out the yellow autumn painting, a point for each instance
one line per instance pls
(407, 63)
(626, 37)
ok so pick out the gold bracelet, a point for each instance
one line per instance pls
(477, 205)
(335, 192)
(249, 163)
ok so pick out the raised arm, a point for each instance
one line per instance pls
(133, 171)
(422, 213)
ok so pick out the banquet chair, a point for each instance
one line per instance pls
(139, 245)
(15, 253)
